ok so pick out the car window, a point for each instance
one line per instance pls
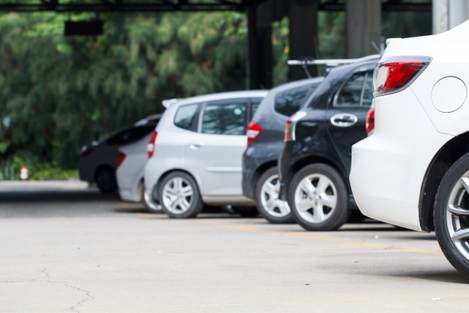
(186, 116)
(225, 118)
(357, 91)
(290, 101)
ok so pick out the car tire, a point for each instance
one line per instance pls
(179, 196)
(105, 179)
(323, 206)
(269, 205)
(150, 201)
(246, 212)
(451, 216)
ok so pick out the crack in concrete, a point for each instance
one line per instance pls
(87, 296)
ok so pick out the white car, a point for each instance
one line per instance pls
(196, 154)
(131, 160)
(413, 170)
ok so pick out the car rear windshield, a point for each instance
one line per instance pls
(290, 101)
(130, 135)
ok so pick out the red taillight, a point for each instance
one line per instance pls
(393, 75)
(151, 144)
(370, 121)
(254, 130)
(120, 158)
(288, 134)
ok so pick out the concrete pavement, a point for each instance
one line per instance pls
(76, 251)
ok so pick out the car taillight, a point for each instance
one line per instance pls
(396, 74)
(120, 158)
(151, 144)
(288, 134)
(254, 130)
(370, 121)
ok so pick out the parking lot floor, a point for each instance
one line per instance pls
(74, 250)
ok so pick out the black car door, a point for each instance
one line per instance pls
(348, 110)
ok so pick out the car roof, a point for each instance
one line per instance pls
(149, 119)
(221, 96)
(295, 84)
(345, 69)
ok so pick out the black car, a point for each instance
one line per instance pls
(265, 142)
(97, 162)
(315, 162)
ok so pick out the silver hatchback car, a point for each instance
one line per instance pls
(196, 153)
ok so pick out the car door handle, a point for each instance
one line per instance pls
(344, 120)
(195, 146)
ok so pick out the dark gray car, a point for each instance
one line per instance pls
(265, 143)
(97, 163)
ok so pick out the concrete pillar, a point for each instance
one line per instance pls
(260, 63)
(440, 16)
(303, 34)
(448, 14)
(363, 27)
(458, 12)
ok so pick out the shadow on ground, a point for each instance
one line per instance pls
(54, 196)
(443, 275)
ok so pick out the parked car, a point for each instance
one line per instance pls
(196, 154)
(413, 170)
(131, 160)
(97, 162)
(315, 162)
(265, 143)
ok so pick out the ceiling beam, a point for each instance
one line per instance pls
(179, 5)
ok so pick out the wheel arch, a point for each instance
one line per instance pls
(102, 167)
(261, 170)
(441, 162)
(310, 159)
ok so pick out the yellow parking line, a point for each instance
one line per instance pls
(322, 236)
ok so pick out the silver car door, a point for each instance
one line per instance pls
(215, 152)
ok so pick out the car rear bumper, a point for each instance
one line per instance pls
(248, 180)
(132, 194)
(388, 168)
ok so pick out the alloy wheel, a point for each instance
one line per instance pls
(457, 215)
(177, 195)
(315, 198)
(270, 198)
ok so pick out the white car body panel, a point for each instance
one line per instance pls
(411, 126)
(213, 160)
(217, 163)
(130, 174)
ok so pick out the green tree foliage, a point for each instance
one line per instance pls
(58, 93)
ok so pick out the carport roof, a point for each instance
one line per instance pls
(182, 5)
(123, 5)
